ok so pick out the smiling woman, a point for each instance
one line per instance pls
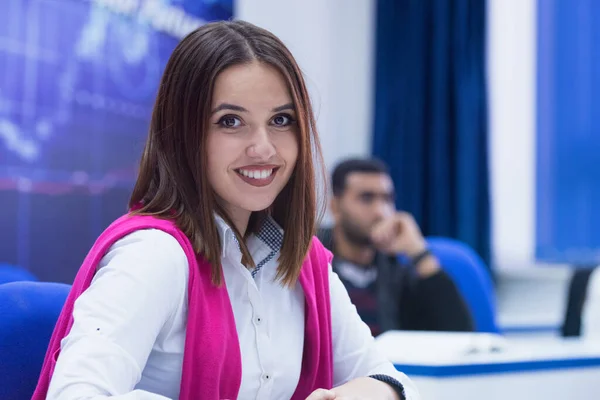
(228, 110)
(252, 141)
(213, 286)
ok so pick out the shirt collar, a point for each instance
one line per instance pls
(270, 233)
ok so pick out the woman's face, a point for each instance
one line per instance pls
(252, 139)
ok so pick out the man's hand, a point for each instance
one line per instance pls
(399, 234)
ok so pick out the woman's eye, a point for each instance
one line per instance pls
(229, 121)
(282, 120)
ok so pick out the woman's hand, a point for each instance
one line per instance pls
(357, 389)
(322, 394)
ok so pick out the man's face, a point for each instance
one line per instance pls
(367, 199)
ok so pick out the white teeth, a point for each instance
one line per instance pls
(256, 174)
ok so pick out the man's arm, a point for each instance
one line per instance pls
(434, 304)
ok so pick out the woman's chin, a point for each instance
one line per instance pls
(254, 205)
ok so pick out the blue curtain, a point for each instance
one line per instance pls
(430, 120)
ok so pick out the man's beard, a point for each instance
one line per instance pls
(355, 234)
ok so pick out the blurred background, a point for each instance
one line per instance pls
(484, 111)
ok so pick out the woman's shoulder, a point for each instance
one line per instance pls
(150, 237)
(319, 250)
(318, 260)
(148, 251)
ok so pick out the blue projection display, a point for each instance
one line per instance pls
(568, 132)
(77, 85)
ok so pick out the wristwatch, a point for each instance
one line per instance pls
(416, 260)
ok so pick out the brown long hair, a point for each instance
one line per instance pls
(172, 181)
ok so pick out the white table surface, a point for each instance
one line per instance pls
(482, 366)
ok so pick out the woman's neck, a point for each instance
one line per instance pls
(239, 218)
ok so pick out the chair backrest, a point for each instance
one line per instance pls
(469, 273)
(578, 288)
(29, 311)
(13, 273)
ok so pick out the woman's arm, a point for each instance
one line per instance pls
(355, 356)
(141, 282)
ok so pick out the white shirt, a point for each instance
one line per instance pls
(128, 334)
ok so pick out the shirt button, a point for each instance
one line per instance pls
(266, 377)
(258, 320)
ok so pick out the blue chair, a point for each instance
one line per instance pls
(29, 311)
(469, 273)
(13, 273)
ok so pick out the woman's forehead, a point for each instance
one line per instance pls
(251, 85)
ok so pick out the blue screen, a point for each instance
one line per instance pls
(77, 84)
(568, 132)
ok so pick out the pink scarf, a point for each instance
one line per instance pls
(212, 367)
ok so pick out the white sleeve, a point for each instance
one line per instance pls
(138, 287)
(355, 354)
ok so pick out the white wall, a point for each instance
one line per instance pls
(332, 41)
(512, 85)
(528, 294)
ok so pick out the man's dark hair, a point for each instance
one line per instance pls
(347, 167)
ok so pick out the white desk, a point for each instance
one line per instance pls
(471, 366)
